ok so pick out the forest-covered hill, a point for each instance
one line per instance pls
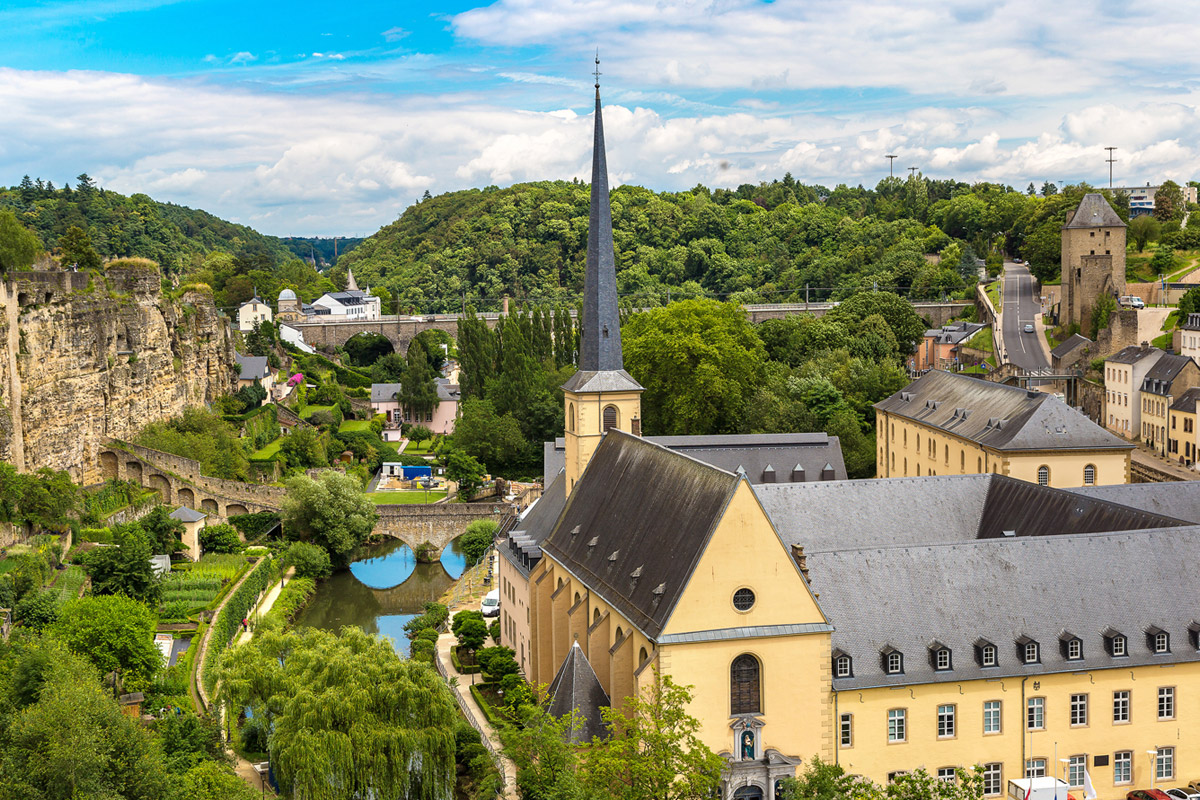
(759, 243)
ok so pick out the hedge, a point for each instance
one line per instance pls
(253, 526)
(227, 623)
(292, 598)
(485, 706)
(254, 412)
(468, 670)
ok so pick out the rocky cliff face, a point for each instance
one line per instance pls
(84, 358)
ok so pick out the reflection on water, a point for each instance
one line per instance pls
(384, 588)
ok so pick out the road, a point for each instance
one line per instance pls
(1022, 307)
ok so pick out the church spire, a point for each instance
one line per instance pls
(600, 337)
(351, 284)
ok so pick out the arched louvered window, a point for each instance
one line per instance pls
(744, 694)
(1043, 475)
(610, 417)
(571, 417)
(1089, 475)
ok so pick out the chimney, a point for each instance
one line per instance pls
(801, 560)
(504, 305)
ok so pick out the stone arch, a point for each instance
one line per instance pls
(209, 506)
(234, 508)
(133, 471)
(186, 497)
(110, 465)
(431, 339)
(374, 344)
(160, 484)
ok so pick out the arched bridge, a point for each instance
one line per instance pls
(401, 330)
(433, 527)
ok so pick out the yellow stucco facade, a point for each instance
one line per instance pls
(907, 448)
(586, 422)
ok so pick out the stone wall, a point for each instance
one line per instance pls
(189, 470)
(1122, 332)
(87, 356)
(1090, 399)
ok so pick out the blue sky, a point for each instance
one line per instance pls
(330, 118)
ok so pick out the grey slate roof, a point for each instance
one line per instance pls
(446, 390)
(185, 514)
(576, 688)
(524, 548)
(1074, 342)
(1095, 212)
(1178, 499)
(1164, 372)
(614, 380)
(999, 590)
(384, 392)
(1192, 323)
(1132, 354)
(636, 524)
(997, 416)
(253, 367)
(812, 452)
(1186, 402)
(955, 332)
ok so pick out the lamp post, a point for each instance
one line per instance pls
(1153, 765)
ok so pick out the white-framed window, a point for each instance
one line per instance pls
(1121, 706)
(947, 774)
(1031, 652)
(896, 725)
(895, 663)
(1035, 768)
(1166, 702)
(991, 716)
(943, 659)
(1075, 769)
(846, 730)
(1162, 642)
(988, 656)
(945, 721)
(1035, 714)
(993, 779)
(1079, 709)
(1074, 649)
(1123, 767)
(1118, 645)
(842, 669)
(1164, 764)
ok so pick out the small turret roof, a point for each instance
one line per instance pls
(1094, 212)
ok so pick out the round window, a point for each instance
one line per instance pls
(743, 599)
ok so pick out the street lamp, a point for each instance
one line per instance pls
(1153, 765)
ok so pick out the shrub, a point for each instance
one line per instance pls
(310, 560)
(471, 634)
(494, 630)
(221, 538)
(498, 661)
(230, 619)
(477, 539)
(37, 610)
(252, 526)
(435, 615)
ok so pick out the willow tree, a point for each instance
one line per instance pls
(348, 717)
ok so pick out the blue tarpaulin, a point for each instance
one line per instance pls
(411, 473)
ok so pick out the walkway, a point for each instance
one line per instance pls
(1144, 455)
(460, 685)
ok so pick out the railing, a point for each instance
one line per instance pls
(497, 756)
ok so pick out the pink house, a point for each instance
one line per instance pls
(440, 420)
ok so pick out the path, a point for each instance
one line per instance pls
(1144, 455)
(460, 685)
(1022, 307)
(1150, 322)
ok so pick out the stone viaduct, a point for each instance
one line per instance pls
(178, 481)
(401, 330)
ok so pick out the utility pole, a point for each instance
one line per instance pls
(1110, 160)
(912, 171)
(891, 160)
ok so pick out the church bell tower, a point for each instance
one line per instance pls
(601, 395)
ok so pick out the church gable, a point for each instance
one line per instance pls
(744, 578)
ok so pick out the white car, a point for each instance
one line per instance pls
(1028, 328)
(1182, 794)
(490, 605)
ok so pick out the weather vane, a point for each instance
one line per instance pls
(597, 72)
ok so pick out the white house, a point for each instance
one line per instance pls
(351, 304)
(252, 312)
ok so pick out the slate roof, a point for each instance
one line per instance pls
(1094, 212)
(1192, 323)
(1176, 499)
(1073, 342)
(999, 590)
(997, 416)
(825, 517)
(1133, 354)
(1159, 377)
(812, 452)
(636, 524)
(1186, 402)
(185, 514)
(613, 380)
(384, 392)
(253, 367)
(954, 333)
(576, 688)
(524, 548)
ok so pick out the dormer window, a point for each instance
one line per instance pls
(939, 657)
(1072, 646)
(1028, 650)
(893, 661)
(1158, 640)
(985, 653)
(942, 660)
(1194, 634)
(1115, 643)
(843, 666)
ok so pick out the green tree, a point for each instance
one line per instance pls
(654, 753)
(821, 780)
(1169, 202)
(210, 780)
(310, 560)
(304, 448)
(165, 533)
(221, 538)
(1189, 303)
(540, 746)
(332, 512)
(418, 389)
(1143, 229)
(19, 247)
(464, 470)
(699, 362)
(477, 539)
(472, 633)
(476, 353)
(898, 313)
(491, 438)
(124, 569)
(76, 249)
(115, 633)
(1163, 260)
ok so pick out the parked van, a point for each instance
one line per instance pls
(1038, 789)
(490, 605)
(1130, 301)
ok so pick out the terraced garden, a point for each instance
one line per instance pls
(192, 587)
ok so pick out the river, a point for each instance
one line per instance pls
(384, 588)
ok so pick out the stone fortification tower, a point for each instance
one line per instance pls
(1093, 259)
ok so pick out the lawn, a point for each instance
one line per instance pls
(424, 447)
(6, 564)
(406, 498)
(981, 341)
(355, 425)
(267, 453)
(993, 293)
(1171, 321)
(310, 410)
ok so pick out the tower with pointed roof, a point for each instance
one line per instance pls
(351, 284)
(601, 395)
(1093, 259)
